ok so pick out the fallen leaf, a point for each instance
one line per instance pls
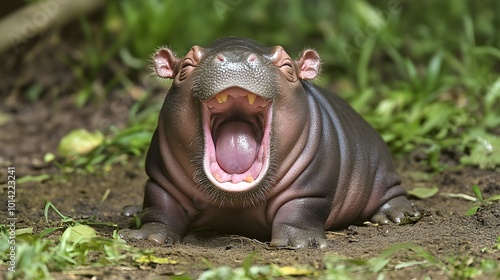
(423, 193)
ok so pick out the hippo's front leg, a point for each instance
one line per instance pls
(300, 223)
(164, 219)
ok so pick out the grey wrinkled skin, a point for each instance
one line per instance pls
(328, 168)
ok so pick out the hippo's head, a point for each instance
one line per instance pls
(230, 111)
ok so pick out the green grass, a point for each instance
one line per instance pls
(482, 202)
(340, 268)
(69, 244)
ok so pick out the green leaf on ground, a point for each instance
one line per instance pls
(423, 193)
(80, 232)
(152, 259)
(79, 142)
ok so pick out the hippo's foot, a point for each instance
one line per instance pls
(398, 210)
(290, 236)
(153, 231)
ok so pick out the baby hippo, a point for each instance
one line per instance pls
(247, 145)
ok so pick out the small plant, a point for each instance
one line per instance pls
(38, 255)
(249, 271)
(482, 203)
(246, 272)
(116, 147)
(346, 268)
(469, 267)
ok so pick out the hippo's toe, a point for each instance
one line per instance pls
(156, 232)
(300, 238)
(398, 210)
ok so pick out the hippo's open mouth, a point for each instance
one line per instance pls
(236, 125)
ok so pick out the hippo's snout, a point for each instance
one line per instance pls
(231, 57)
(227, 69)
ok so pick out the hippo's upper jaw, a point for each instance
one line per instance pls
(237, 134)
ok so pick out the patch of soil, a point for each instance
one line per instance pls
(34, 129)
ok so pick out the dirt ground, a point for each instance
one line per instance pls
(31, 130)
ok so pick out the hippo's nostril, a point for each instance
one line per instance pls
(220, 58)
(252, 58)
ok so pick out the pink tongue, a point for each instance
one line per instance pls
(236, 146)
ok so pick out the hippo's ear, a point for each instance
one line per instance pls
(309, 65)
(165, 63)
